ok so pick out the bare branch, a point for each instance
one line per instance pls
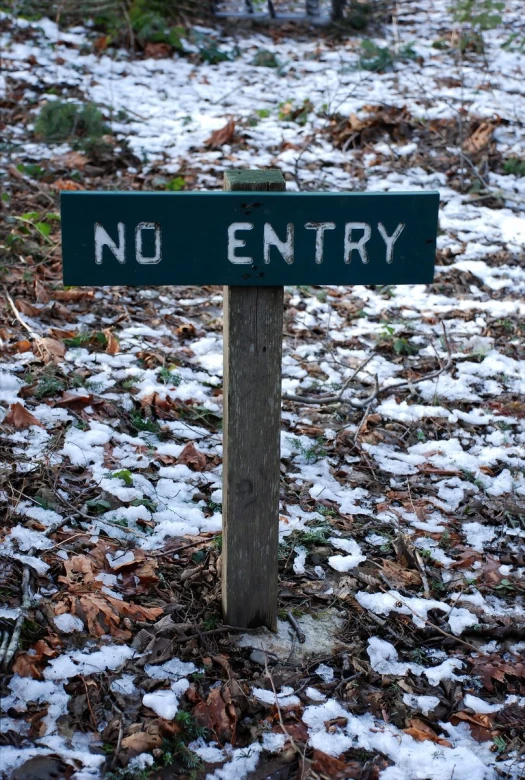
(378, 392)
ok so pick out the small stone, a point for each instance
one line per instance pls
(258, 657)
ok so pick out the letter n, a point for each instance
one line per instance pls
(102, 239)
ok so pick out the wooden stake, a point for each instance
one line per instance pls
(253, 324)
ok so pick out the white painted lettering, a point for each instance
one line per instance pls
(390, 240)
(272, 239)
(359, 245)
(320, 228)
(139, 254)
(237, 243)
(102, 239)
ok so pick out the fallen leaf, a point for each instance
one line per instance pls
(399, 575)
(40, 292)
(157, 51)
(421, 731)
(480, 725)
(23, 345)
(218, 714)
(71, 160)
(54, 347)
(20, 417)
(79, 568)
(113, 345)
(66, 185)
(26, 666)
(222, 136)
(332, 768)
(26, 308)
(141, 742)
(72, 295)
(191, 457)
(75, 401)
(479, 139)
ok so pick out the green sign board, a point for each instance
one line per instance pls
(248, 238)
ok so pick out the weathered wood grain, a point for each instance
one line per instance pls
(253, 322)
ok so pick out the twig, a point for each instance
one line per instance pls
(296, 627)
(421, 567)
(281, 720)
(26, 603)
(19, 317)
(378, 392)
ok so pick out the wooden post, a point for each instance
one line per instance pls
(312, 8)
(253, 324)
(337, 10)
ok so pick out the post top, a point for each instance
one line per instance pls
(271, 180)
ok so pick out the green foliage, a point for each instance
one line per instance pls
(150, 25)
(357, 15)
(33, 222)
(515, 42)
(312, 453)
(208, 49)
(32, 170)
(377, 58)
(313, 536)
(81, 125)
(514, 166)
(292, 112)
(47, 386)
(404, 347)
(479, 14)
(87, 339)
(124, 474)
(177, 184)
(146, 424)
(265, 59)
(98, 506)
(168, 377)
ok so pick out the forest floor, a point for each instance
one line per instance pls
(402, 523)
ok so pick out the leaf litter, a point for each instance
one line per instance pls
(401, 522)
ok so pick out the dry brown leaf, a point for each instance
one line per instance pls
(494, 667)
(71, 160)
(54, 347)
(158, 51)
(400, 576)
(218, 714)
(40, 292)
(26, 308)
(20, 417)
(113, 345)
(191, 457)
(66, 185)
(72, 295)
(421, 731)
(223, 135)
(326, 766)
(101, 618)
(135, 611)
(480, 725)
(76, 401)
(479, 139)
(141, 742)
(27, 666)
(79, 569)
(23, 345)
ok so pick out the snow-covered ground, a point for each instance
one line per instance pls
(166, 110)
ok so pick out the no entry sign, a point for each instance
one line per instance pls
(235, 238)
(254, 238)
